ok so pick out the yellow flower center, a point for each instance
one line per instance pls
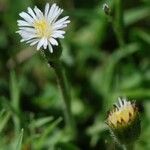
(43, 28)
(123, 115)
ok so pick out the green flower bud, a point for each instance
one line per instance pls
(124, 123)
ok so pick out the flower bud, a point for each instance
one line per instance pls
(123, 121)
(106, 9)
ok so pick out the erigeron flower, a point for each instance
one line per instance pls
(123, 121)
(41, 28)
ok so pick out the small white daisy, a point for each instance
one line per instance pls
(42, 28)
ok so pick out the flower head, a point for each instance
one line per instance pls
(106, 9)
(123, 121)
(41, 28)
(122, 113)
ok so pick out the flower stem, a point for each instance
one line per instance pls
(119, 22)
(56, 65)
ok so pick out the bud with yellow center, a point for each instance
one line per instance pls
(123, 121)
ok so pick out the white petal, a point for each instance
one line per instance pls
(50, 14)
(30, 11)
(53, 41)
(46, 9)
(62, 20)
(57, 14)
(23, 23)
(120, 102)
(22, 40)
(35, 42)
(28, 38)
(45, 44)
(26, 35)
(59, 26)
(61, 23)
(57, 35)
(32, 40)
(28, 29)
(26, 17)
(41, 42)
(59, 31)
(50, 48)
(38, 12)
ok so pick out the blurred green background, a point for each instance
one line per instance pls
(97, 69)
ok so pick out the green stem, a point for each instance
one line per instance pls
(119, 22)
(56, 65)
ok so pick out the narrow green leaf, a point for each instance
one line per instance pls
(19, 142)
(4, 118)
(14, 89)
(42, 121)
(136, 14)
(46, 132)
(15, 97)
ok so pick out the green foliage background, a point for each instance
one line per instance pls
(98, 71)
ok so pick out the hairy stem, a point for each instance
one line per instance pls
(56, 65)
(119, 22)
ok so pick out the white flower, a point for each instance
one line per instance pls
(42, 28)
